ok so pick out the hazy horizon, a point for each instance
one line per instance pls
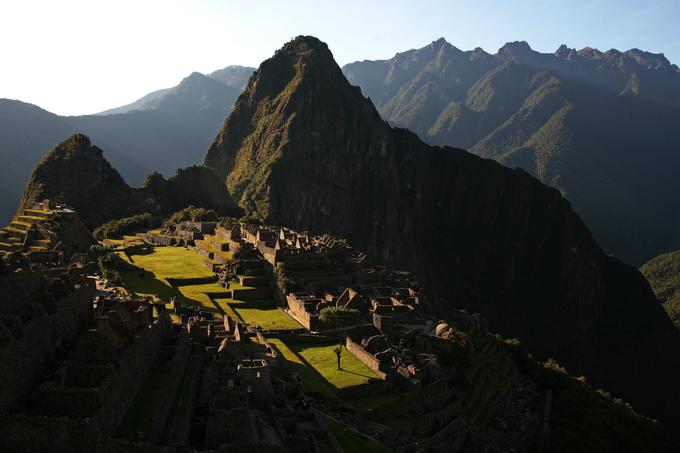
(97, 57)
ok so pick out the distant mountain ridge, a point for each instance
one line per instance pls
(167, 130)
(233, 76)
(599, 126)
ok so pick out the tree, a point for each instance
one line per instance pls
(338, 317)
(338, 353)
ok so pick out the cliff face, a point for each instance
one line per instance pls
(77, 173)
(303, 148)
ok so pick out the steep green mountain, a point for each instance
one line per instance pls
(163, 131)
(600, 127)
(75, 172)
(663, 273)
(304, 148)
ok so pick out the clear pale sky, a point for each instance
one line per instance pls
(84, 56)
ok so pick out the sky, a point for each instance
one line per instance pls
(75, 57)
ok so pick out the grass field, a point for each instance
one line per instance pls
(149, 285)
(267, 318)
(180, 263)
(198, 294)
(170, 262)
(321, 366)
(323, 359)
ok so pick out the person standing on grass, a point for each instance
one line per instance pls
(338, 353)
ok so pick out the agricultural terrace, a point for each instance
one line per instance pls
(167, 269)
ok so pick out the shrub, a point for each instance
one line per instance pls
(109, 265)
(119, 227)
(338, 317)
(194, 214)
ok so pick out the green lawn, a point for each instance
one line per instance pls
(148, 285)
(321, 365)
(267, 318)
(197, 295)
(311, 380)
(171, 262)
(322, 357)
(180, 263)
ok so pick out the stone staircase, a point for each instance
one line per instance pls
(13, 237)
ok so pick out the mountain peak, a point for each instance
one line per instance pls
(193, 78)
(590, 52)
(441, 42)
(304, 46)
(74, 145)
(648, 59)
(515, 48)
(564, 52)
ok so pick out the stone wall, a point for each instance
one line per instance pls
(133, 365)
(177, 367)
(366, 357)
(24, 359)
(296, 308)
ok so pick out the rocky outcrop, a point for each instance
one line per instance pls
(303, 148)
(76, 173)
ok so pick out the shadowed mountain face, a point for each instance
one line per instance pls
(164, 131)
(600, 127)
(663, 274)
(76, 172)
(304, 148)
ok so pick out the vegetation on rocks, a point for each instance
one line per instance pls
(117, 228)
(584, 419)
(338, 317)
(192, 213)
(663, 274)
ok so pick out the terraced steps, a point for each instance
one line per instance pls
(11, 229)
(13, 236)
(32, 219)
(36, 213)
(6, 247)
(19, 225)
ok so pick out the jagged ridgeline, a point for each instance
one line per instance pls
(303, 148)
(76, 172)
(599, 126)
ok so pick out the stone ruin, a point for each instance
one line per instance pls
(246, 397)
(452, 374)
(75, 354)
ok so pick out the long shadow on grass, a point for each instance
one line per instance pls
(358, 374)
(145, 282)
(318, 373)
(306, 371)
